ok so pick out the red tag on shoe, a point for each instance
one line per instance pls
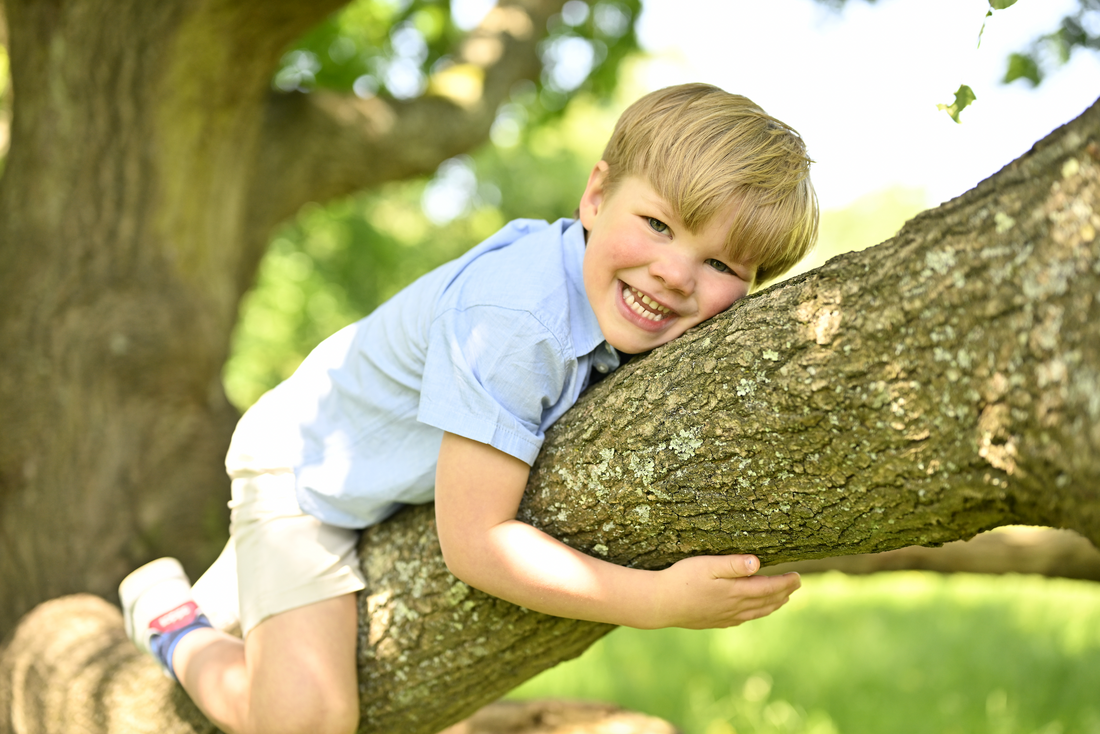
(181, 616)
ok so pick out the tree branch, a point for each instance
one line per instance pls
(323, 145)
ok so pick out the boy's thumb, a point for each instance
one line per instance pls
(739, 565)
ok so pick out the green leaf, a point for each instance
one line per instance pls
(1022, 66)
(964, 95)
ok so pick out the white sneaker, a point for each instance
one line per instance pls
(156, 598)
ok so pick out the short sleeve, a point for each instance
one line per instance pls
(490, 374)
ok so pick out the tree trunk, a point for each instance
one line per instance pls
(941, 384)
(149, 161)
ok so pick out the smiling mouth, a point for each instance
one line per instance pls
(643, 305)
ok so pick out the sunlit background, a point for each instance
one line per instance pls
(862, 85)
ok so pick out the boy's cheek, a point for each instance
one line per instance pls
(733, 295)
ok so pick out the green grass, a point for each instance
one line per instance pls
(903, 653)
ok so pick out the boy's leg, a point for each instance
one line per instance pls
(295, 672)
(295, 581)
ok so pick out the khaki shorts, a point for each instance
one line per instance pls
(278, 558)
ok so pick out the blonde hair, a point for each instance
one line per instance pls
(703, 149)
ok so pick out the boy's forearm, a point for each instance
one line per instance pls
(521, 564)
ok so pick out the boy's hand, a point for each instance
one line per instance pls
(706, 592)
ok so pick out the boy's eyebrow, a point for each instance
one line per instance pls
(662, 207)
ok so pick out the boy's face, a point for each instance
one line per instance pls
(649, 279)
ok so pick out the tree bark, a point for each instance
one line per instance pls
(941, 384)
(149, 161)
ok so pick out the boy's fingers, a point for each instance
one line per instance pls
(769, 589)
(785, 584)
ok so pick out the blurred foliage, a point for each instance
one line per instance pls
(395, 47)
(909, 652)
(333, 265)
(1047, 52)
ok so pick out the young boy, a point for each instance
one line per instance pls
(445, 393)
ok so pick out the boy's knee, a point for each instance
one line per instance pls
(332, 720)
(324, 712)
(338, 718)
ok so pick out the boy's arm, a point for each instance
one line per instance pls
(478, 490)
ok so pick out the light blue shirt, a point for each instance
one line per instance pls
(494, 346)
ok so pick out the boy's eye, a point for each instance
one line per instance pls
(720, 266)
(658, 226)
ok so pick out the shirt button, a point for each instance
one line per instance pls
(602, 369)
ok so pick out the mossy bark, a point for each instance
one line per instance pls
(941, 384)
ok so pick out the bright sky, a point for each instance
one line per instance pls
(862, 86)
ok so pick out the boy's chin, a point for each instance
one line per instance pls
(643, 345)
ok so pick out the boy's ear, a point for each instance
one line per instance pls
(594, 194)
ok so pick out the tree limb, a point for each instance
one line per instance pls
(323, 145)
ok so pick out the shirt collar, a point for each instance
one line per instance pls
(583, 323)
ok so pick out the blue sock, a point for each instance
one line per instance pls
(164, 644)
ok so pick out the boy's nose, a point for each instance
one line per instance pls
(675, 272)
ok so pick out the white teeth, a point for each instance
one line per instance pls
(631, 296)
